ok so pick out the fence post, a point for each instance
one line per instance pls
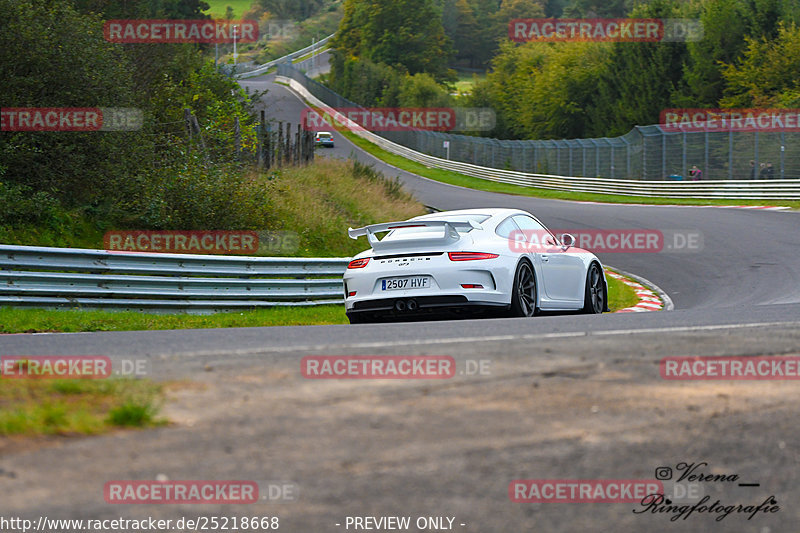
(612, 167)
(783, 152)
(644, 158)
(730, 155)
(755, 154)
(237, 139)
(569, 147)
(187, 117)
(583, 153)
(200, 135)
(269, 156)
(280, 147)
(596, 159)
(288, 152)
(297, 146)
(685, 171)
(260, 142)
(558, 159)
(705, 162)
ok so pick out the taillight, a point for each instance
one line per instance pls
(470, 256)
(471, 286)
(358, 263)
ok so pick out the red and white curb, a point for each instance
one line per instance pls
(648, 299)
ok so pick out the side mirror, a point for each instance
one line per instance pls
(567, 240)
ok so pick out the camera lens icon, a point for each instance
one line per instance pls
(663, 473)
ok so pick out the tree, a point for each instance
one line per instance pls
(642, 79)
(724, 29)
(767, 74)
(400, 33)
(53, 56)
(292, 9)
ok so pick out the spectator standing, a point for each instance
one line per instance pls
(695, 173)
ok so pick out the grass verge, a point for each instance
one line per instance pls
(32, 406)
(620, 296)
(454, 178)
(317, 202)
(217, 8)
(13, 320)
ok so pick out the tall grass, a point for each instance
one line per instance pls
(321, 201)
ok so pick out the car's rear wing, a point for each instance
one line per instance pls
(450, 233)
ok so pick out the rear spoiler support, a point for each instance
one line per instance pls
(450, 228)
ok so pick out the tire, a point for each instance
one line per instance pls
(357, 318)
(524, 292)
(594, 300)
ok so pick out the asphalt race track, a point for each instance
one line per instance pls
(561, 397)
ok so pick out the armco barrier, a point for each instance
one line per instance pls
(784, 189)
(262, 69)
(32, 276)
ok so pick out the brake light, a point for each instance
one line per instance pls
(407, 226)
(470, 256)
(471, 286)
(351, 294)
(358, 263)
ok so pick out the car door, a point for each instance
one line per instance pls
(562, 271)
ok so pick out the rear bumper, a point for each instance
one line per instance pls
(421, 306)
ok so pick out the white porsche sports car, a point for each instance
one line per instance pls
(473, 260)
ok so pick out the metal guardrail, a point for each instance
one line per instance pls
(287, 58)
(785, 189)
(32, 276)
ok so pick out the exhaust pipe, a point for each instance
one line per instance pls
(412, 305)
(400, 305)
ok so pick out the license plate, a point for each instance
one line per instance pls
(393, 284)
